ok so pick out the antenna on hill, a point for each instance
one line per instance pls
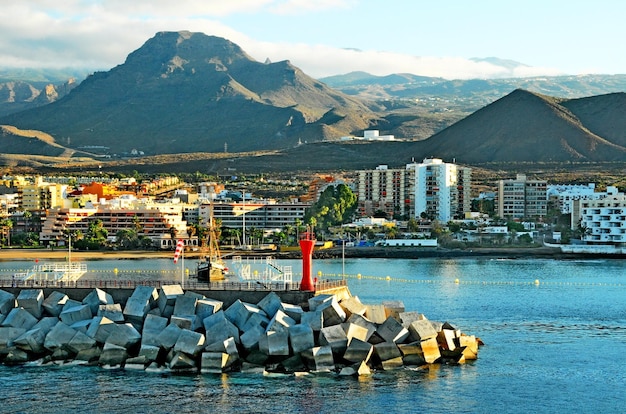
(226, 147)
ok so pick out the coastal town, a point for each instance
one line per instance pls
(428, 204)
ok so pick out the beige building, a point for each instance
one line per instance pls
(522, 198)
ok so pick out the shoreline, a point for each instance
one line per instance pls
(352, 252)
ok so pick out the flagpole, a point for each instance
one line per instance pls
(182, 268)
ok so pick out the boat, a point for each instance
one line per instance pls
(211, 267)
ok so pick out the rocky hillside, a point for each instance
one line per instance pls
(189, 92)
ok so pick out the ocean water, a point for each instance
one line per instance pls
(554, 334)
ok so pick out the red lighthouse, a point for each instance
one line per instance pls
(307, 242)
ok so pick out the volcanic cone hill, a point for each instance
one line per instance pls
(189, 92)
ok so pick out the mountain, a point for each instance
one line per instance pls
(189, 92)
(16, 95)
(528, 127)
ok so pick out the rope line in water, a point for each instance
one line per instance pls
(359, 276)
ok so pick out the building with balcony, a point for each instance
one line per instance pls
(604, 220)
(522, 198)
(258, 214)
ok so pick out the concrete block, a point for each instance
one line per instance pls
(393, 308)
(16, 356)
(89, 355)
(182, 362)
(358, 351)
(430, 350)
(227, 346)
(250, 338)
(219, 328)
(274, 343)
(189, 342)
(184, 322)
(320, 358)
(319, 300)
(239, 312)
(412, 354)
(363, 322)
(70, 303)
(256, 358)
(301, 338)
(7, 302)
(280, 322)
(59, 336)
(111, 311)
(32, 301)
(393, 363)
(255, 319)
(470, 344)
(185, 305)
(353, 305)
(140, 302)
(80, 342)
(168, 295)
(206, 307)
(392, 330)
(270, 304)
(213, 362)
(421, 330)
(354, 331)
(446, 339)
(112, 355)
(152, 327)
(62, 354)
(376, 313)
(293, 364)
(75, 314)
(20, 318)
(100, 328)
(54, 303)
(335, 337)
(82, 326)
(124, 335)
(387, 350)
(149, 352)
(312, 318)
(96, 298)
(7, 336)
(293, 311)
(406, 318)
(33, 339)
(168, 336)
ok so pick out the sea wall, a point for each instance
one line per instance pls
(176, 330)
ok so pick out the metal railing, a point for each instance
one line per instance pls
(191, 285)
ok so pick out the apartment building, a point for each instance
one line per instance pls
(258, 214)
(383, 189)
(604, 220)
(522, 198)
(156, 220)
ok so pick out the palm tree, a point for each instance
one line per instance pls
(6, 225)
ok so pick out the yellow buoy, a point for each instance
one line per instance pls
(456, 281)
(537, 282)
(388, 277)
(115, 270)
(358, 276)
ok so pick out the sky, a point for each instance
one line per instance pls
(332, 37)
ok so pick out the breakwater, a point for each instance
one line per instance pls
(169, 328)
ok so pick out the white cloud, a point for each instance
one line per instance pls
(100, 34)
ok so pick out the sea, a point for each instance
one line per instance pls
(554, 334)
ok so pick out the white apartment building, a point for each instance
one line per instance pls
(441, 190)
(566, 195)
(604, 219)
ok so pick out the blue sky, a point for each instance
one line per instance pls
(329, 37)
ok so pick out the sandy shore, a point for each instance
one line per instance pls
(32, 254)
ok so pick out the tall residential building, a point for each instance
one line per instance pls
(382, 189)
(522, 198)
(432, 188)
(257, 214)
(441, 190)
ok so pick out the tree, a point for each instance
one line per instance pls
(6, 225)
(335, 206)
